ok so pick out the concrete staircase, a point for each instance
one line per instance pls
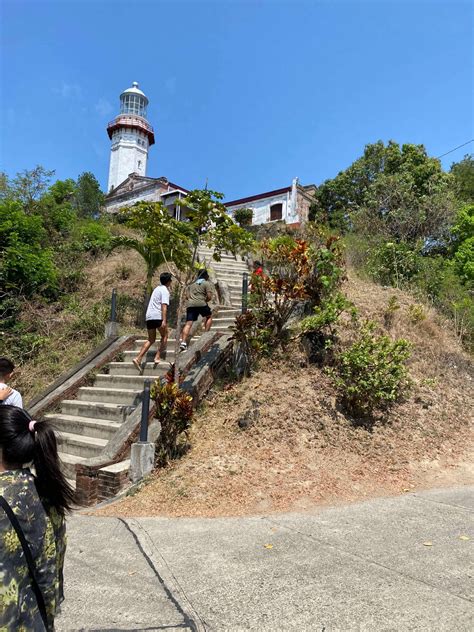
(87, 423)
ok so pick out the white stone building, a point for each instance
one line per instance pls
(132, 136)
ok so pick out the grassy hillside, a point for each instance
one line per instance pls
(300, 449)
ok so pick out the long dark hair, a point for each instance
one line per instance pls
(21, 445)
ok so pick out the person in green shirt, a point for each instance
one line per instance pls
(38, 504)
(199, 295)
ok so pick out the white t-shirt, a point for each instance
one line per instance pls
(160, 296)
(12, 400)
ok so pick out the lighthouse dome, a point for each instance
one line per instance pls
(133, 101)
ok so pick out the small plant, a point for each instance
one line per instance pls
(371, 374)
(416, 314)
(124, 271)
(389, 314)
(243, 216)
(174, 411)
(319, 333)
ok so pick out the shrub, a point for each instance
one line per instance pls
(371, 374)
(174, 411)
(243, 216)
(393, 263)
(319, 333)
(93, 237)
(27, 269)
(389, 314)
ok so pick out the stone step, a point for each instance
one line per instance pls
(168, 356)
(84, 426)
(139, 343)
(80, 445)
(237, 268)
(96, 410)
(126, 381)
(68, 462)
(129, 397)
(128, 368)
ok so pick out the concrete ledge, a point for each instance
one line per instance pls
(202, 376)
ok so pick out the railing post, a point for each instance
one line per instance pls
(245, 291)
(113, 307)
(145, 412)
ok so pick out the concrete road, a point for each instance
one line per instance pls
(401, 563)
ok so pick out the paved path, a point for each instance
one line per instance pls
(362, 567)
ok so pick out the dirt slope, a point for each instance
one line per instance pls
(299, 450)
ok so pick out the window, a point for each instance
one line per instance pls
(276, 212)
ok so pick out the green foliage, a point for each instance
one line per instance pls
(212, 225)
(371, 374)
(174, 411)
(243, 216)
(464, 261)
(463, 173)
(401, 189)
(18, 225)
(27, 269)
(88, 198)
(92, 236)
(29, 186)
(326, 315)
(392, 308)
(393, 263)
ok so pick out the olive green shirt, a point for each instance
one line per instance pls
(197, 294)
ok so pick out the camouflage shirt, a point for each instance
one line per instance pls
(45, 532)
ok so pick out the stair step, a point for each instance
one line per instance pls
(117, 381)
(128, 368)
(96, 410)
(68, 462)
(168, 356)
(84, 426)
(126, 396)
(80, 445)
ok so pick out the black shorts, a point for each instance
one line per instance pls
(153, 324)
(193, 313)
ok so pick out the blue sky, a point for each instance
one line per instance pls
(247, 94)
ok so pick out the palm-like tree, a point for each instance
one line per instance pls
(152, 256)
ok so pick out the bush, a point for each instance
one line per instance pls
(174, 411)
(243, 216)
(27, 269)
(393, 263)
(371, 374)
(93, 237)
(319, 333)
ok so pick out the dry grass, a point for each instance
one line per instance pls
(300, 450)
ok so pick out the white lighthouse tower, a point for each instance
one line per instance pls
(131, 135)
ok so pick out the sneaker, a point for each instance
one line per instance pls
(183, 346)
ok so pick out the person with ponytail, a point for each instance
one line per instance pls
(32, 522)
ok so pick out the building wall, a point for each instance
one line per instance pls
(127, 198)
(303, 202)
(128, 154)
(261, 208)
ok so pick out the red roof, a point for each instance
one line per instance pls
(260, 196)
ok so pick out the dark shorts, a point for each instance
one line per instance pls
(153, 324)
(193, 313)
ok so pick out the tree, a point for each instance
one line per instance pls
(161, 237)
(463, 173)
(409, 174)
(88, 197)
(28, 186)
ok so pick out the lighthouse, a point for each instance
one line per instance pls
(131, 135)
